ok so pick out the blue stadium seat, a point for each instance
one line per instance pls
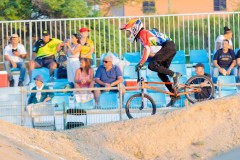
(227, 90)
(129, 72)
(183, 80)
(94, 58)
(44, 72)
(132, 57)
(55, 73)
(108, 100)
(179, 57)
(86, 106)
(236, 50)
(227, 80)
(59, 101)
(181, 68)
(152, 76)
(15, 69)
(159, 98)
(59, 85)
(199, 56)
(227, 93)
(127, 95)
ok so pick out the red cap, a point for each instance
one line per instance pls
(84, 30)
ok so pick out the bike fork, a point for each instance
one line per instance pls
(143, 104)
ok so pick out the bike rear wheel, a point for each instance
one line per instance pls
(136, 108)
(195, 93)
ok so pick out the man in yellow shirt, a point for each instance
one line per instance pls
(44, 52)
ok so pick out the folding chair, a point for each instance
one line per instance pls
(43, 116)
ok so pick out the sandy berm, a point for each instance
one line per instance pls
(201, 131)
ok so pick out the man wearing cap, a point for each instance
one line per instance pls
(205, 91)
(44, 52)
(87, 46)
(14, 55)
(37, 97)
(107, 75)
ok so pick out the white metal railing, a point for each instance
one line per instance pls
(189, 31)
(15, 112)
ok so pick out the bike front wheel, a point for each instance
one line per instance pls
(199, 88)
(137, 106)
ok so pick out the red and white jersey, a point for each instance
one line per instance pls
(151, 41)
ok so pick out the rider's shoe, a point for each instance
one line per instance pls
(176, 77)
(171, 103)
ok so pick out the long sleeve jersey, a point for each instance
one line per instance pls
(152, 42)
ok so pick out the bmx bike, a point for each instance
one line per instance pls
(197, 88)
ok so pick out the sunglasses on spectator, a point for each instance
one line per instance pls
(106, 61)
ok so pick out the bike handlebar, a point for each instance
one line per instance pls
(138, 77)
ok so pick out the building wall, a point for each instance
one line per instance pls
(134, 8)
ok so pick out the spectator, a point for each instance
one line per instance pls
(219, 41)
(84, 79)
(87, 48)
(84, 75)
(37, 97)
(72, 51)
(238, 63)
(107, 75)
(14, 55)
(44, 52)
(205, 90)
(224, 61)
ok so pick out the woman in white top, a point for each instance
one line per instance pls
(219, 41)
(73, 52)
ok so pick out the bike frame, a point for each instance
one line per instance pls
(145, 85)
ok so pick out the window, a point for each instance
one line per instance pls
(148, 6)
(219, 5)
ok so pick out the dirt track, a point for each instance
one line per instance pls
(198, 132)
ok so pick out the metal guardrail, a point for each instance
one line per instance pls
(68, 114)
(189, 31)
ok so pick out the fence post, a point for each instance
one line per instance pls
(209, 40)
(120, 42)
(120, 100)
(30, 39)
(22, 105)
(64, 116)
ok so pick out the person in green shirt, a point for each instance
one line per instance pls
(44, 53)
(38, 97)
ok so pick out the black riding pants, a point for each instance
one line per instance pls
(161, 61)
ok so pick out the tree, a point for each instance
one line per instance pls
(39, 9)
(60, 8)
(15, 10)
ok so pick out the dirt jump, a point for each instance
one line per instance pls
(201, 131)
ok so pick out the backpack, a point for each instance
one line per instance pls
(62, 72)
(61, 59)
